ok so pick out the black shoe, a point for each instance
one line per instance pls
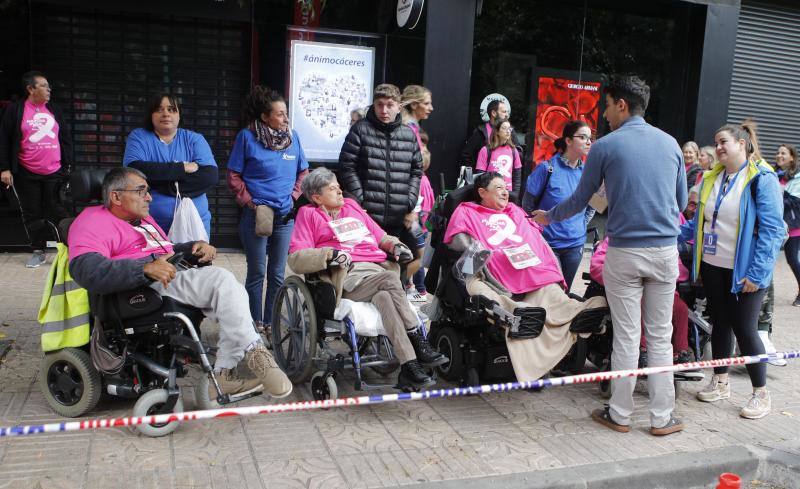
(425, 352)
(413, 377)
(796, 302)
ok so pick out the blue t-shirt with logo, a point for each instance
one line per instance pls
(144, 145)
(570, 232)
(268, 175)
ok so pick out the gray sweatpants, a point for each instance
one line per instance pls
(222, 299)
(640, 288)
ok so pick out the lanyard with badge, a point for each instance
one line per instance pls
(710, 239)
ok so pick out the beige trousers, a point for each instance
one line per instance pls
(383, 289)
(532, 358)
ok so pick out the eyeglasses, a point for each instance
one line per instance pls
(171, 109)
(584, 137)
(140, 191)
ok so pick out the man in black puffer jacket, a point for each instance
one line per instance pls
(382, 166)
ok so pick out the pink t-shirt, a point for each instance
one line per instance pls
(97, 230)
(521, 259)
(39, 150)
(505, 159)
(352, 231)
(426, 194)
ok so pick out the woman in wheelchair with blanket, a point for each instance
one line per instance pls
(522, 275)
(334, 236)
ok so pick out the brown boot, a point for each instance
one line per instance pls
(230, 383)
(263, 365)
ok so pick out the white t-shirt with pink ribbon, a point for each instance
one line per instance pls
(39, 149)
(352, 231)
(97, 230)
(504, 160)
(521, 259)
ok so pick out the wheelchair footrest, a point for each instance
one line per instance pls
(230, 399)
(530, 324)
(589, 321)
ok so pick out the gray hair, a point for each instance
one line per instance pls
(117, 179)
(315, 181)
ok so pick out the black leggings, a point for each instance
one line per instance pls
(792, 250)
(737, 314)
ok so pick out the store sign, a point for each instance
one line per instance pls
(409, 13)
(328, 81)
(488, 99)
(558, 101)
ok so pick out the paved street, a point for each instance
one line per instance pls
(496, 435)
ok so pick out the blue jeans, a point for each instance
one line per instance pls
(570, 260)
(257, 249)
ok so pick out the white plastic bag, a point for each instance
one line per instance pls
(365, 317)
(186, 222)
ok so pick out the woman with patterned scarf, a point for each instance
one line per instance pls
(265, 169)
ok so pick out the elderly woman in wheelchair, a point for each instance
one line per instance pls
(507, 263)
(336, 239)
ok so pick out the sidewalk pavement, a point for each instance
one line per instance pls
(482, 440)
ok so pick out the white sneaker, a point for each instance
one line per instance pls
(714, 391)
(758, 406)
(770, 349)
(415, 296)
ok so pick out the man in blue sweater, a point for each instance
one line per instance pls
(645, 182)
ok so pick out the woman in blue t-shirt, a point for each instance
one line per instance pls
(265, 169)
(168, 155)
(554, 181)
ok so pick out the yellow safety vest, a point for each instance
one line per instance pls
(64, 313)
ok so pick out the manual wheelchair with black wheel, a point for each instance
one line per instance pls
(310, 344)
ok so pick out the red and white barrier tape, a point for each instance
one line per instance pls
(88, 424)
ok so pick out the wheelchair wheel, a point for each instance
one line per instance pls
(323, 387)
(392, 363)
(294, 330)
(576, 359)
(69, 382)
(471, 378)
(448, 342)
(150, 403)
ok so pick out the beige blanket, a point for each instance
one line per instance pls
(532, 358)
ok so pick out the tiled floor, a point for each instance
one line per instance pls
(366, 446)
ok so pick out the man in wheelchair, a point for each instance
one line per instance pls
(117, 247)
(515, 268)
(337, 237)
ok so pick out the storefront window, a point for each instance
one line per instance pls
(514, 38)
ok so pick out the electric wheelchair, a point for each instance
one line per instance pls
(470, 330)
(147, 341)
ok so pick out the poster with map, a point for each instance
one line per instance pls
(328, 81)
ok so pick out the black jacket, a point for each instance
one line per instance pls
(381, 168)
(11, 134)
(478, 139)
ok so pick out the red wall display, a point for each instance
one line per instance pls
(558, 101)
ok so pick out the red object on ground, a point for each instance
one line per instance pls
(729, 481)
